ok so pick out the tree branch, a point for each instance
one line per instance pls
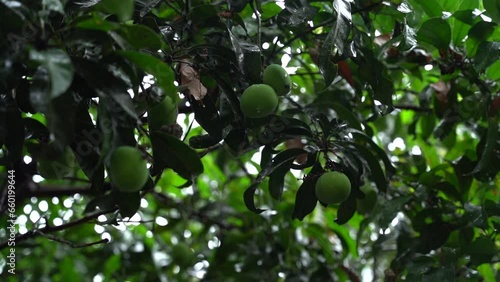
(30, 189)
(69, 243)
(44, 191)
(352, 276)
(49, 229)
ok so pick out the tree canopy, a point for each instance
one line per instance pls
(399, 96)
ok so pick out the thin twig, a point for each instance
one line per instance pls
(49, 229)
(57, 191)
(352, 276)
(69, 243)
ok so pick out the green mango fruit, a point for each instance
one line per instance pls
(277, 77)
(258, 100)
(128, 169)
(333, 187)
(162, 113)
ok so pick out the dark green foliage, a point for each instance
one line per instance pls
(400, 95)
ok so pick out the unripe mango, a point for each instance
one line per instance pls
(128, 169)
(162, 113)
(333, 187)
(258, 100)
(277, 77)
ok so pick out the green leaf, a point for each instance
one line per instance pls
(59, 69)
(380, 153)
(436, 32)
(154, 66)
(266, 156)
(107, 84)
(11, 131)
(123, 9)
(487, 54)
(409, 41)
(419, 265)
(128, 203)
(112, 265)
(104, 202)
(443, 274)
(252, 62)
(292, 126)
(207, 115)
(204, 15)
(475, 216)
(345, 114)
(462, 167)
(140, 36)
(12, 18)
(467, 16)
(335, 39)
(463, 19)
(282, 160)
(346, 210)
(237, 5)
(96, 22)
(59, 112)
(449, 190)
(481, 250)
(386, 212)
(490, 148)
(305, 199)
(277, 180)
(491, 208)
(459, 30)
(376, 172)
(430, 7)
(168, 151)
(493, 72)
(295, 14)
(375, 73)
(269, 10)
(248, 197)
(477, 34)
(35, 129)
(492, 9)
(450, 5)
(87, 142)
(427, 124)
(487, 271)
(237, 140)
